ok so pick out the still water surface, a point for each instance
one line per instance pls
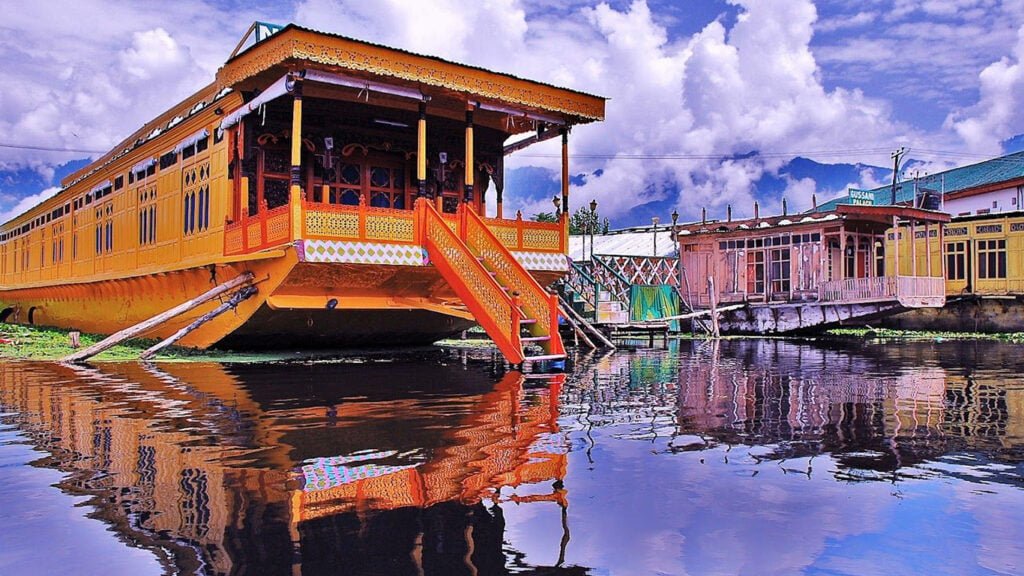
(745, 457)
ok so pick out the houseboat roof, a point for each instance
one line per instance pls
(881, 215)
(295, 49)
(295, 46)
(977, 178)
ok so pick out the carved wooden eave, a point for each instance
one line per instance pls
(294, 48)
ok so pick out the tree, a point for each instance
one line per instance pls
(544, 217)
(583, 221)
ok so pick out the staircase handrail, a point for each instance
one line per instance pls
(537, 302)
(495, 310)
(589, 295)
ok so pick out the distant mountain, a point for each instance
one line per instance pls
(532, 184)
(16, 184)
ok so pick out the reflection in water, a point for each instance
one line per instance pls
(680, 461)
(219, 477)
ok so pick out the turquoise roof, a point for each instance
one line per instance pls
(1001, 169)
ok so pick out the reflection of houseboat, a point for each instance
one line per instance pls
(808, 270)
(222, 472)
(806, 399)
(351, 179)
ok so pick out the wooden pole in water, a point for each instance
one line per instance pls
(155, 321)
(232, 303)
(715, 333)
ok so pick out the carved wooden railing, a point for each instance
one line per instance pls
(495, 310)
(323, 221)
(359, 223)
(267, 229)
(535, 301)
(527, 236)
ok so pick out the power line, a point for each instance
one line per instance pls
(49, 149)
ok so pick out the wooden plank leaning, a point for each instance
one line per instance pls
(696, 314)
(586, 325)
(576, 329)
(155, 321)
(237, 298)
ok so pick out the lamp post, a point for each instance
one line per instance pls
(675, 237)
(654, 221)
(592, 223)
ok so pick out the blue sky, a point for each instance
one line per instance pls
(719, 96)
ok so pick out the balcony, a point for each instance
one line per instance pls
(368, 224)
(910, 291)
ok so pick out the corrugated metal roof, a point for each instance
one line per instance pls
(631, 243)
(1001, 169)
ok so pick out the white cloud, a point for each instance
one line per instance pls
(845, 22)
(999, 112)
(26, 203)
(86, 74)
(97, 70)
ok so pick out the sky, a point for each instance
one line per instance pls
(710, 101)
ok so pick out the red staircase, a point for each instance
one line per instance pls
(517, 313)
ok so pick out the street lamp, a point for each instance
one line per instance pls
(557, 202)
(592, 223)
(655, 220)
(675, 237)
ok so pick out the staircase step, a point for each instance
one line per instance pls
(535, 339)
(544, 358)
(527, 321)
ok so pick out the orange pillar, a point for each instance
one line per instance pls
(421, 152)
(295, 197)
(468, 188)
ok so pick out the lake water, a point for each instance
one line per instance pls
(741, 457)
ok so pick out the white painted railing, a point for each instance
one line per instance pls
(881, 288)
(922, 287)
(858, 289)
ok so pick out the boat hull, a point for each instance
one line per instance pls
(380, 305)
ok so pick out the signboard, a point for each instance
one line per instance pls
(861, 197)
(265, 30)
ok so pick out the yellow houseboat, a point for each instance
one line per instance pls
(982, 259)
(350, 179)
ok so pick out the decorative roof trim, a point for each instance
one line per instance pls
(295, 43)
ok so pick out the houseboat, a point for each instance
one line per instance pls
(351, 180)
(789, 273)
(983, 257)
(983, 247)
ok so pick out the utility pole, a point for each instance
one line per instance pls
(896, 157)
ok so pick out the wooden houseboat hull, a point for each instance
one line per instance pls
(298, 304)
